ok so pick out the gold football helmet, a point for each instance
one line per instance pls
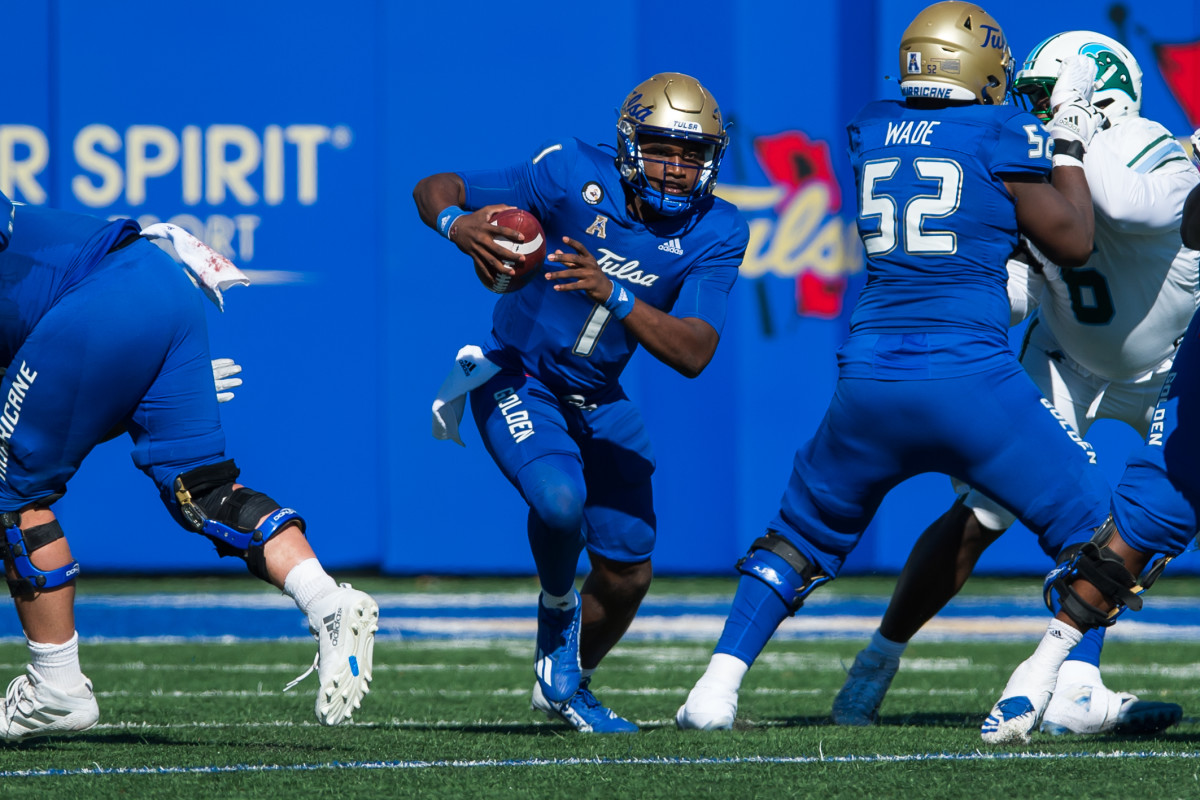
(674, 106)
(955, 51)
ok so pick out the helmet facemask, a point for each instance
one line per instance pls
(1118, 88)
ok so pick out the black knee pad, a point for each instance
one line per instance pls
(212, 507)
(1094, 562)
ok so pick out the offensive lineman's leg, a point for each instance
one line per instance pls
(1153, 510)
(177, 436)
(47, 616)
(1005, 723)
(940, 563)
(840, 474)
(54, 695)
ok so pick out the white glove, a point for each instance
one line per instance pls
(1196, 146)
(1076, 81)
(1077, 122)
(223, 368)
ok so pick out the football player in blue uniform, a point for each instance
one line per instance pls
(927, 381)
(1155, 517)
(1099, 346)
(1155, 512)
(647, 256)
(101, 332)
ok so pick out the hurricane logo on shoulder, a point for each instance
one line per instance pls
(592, 193)
(914, 63)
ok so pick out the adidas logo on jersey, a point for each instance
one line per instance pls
(672, 246)
(467, 366)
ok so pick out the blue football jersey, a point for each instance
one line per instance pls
(938, 225)
(683, 265)
(49, 252)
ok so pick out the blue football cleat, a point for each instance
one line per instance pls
(556, 662)
(582, 712)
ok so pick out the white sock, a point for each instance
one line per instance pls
(308, 583)
(566, 602)
(724, 672)
(882, 644)
(57, 663)
(1051, 652)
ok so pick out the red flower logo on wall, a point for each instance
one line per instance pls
(804, 236)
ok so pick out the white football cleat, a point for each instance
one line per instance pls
(1016, 714)
(345, 626)
(708, 708)
(1085, 710)
(866, 684)
(1010, 722)
(34, 708)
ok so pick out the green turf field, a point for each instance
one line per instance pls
(451, 719)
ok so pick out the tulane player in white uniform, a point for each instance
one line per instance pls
(1099, 346)
(646, 256)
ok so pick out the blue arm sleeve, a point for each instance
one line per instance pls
(534, 184)
(705, 292)
(485, 187)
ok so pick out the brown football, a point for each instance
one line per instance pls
(533, 248)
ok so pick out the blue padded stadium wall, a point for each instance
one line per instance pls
(289, 136)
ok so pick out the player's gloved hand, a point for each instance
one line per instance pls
(1076, 122)
(223, 371)
(1076, 81)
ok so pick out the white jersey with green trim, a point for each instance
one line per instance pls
(1121, 314)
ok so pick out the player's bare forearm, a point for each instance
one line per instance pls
(1071, 183)
(471, 232)
(686, 345)
(437, 192)
(1057, 217)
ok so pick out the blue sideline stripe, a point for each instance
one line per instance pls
(570, 762)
